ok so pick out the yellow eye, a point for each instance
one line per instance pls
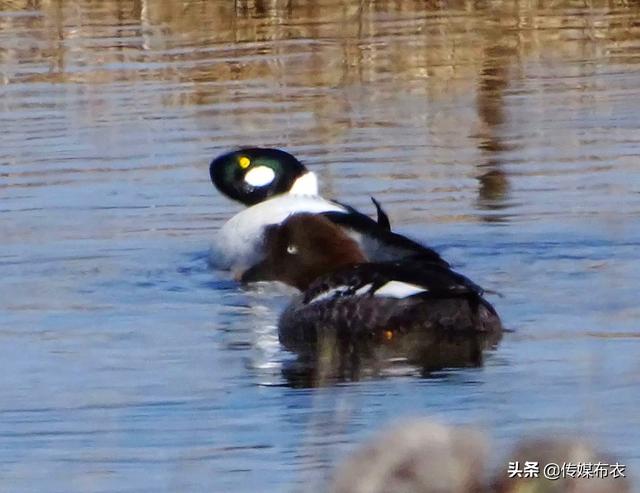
(244, 162)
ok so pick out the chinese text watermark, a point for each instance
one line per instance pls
(553, 471)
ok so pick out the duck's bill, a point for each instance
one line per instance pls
(257, 273)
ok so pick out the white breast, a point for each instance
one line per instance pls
(237, 244)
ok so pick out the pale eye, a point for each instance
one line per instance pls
(292, 249)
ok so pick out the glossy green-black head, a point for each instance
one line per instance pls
(255, 174)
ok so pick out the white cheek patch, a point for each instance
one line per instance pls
(259, 176)
(397, 289)
(307, 184)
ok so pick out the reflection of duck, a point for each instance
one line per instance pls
(275, 185)
(417, 307)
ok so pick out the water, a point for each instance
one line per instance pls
(504, 134)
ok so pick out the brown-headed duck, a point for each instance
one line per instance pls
(353, 301)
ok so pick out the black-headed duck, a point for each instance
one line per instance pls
(274, 184)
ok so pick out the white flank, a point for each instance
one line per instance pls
(259, 176)
(237, 244)
(393, 289)
(364, 289)
(397, 289)
(307, 184)
(329, 294)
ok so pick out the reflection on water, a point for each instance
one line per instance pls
(332, 365)
(504, 134)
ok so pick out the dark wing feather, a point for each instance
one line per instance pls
(390, 245)
(438, 281)
(383, 218)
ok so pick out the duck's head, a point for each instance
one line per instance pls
(255, 174)
(302, 248)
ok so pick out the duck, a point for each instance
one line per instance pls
(274, 185)
(418, 305)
